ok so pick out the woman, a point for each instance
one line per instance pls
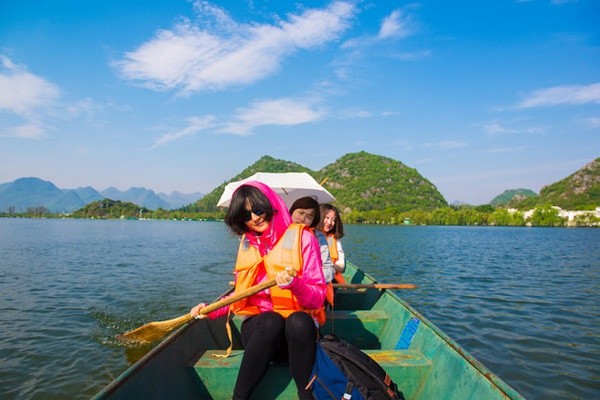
(305, 211)
(279, 321)
(333, 228)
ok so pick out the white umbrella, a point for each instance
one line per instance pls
(289, 185)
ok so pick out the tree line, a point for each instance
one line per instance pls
(485, 215)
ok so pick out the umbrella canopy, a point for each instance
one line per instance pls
(289, 185)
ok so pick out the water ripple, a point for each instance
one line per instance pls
(525, 302)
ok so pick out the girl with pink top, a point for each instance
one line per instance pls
(260, 217)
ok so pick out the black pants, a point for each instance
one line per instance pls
(267, 337)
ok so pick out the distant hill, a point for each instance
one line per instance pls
(359, 181)
(512, 196)
(363, 181)
(86, 194)
(107, 208)
(137, 195)
(208, 203)
(178, 199)
(24, 193)
(149, 199)
(577, 191)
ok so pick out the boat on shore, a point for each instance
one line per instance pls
(421, 359)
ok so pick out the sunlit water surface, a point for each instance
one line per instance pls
(524, 301)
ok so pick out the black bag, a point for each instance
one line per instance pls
(342, 371)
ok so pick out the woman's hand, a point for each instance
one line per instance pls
(285, 277)
(194, 312)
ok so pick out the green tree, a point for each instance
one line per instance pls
(546, 215)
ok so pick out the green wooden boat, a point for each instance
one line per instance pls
(420, 358)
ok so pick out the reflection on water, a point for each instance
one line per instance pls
(523, 301)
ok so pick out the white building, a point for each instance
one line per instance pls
(569, 216)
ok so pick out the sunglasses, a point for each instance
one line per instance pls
(248, 213)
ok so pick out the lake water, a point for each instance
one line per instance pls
(524, 301)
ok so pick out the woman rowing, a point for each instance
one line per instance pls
(281, 322)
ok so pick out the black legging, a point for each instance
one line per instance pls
(264, 337)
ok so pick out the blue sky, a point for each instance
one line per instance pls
(171, 95)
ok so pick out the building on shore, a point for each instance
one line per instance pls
(571, 217)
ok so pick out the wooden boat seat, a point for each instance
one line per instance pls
(218, 375)
(363, 328)
(356, 299)
(408, 368)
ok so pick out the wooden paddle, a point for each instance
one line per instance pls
(375, 285)
(153, 331)
(368, 285)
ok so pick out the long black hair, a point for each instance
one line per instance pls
(236, 215)
(338, 229)
(308, 203)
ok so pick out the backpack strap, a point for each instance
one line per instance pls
(348, 392)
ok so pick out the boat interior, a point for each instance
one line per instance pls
(371, 329)
(421, 359)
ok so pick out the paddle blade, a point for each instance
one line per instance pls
(153, 331)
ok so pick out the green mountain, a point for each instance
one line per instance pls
(107, 208)
(359, 182)
(208, 203)
(363, 182)
(580, 190)
(512, 196)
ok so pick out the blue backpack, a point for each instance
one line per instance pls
(342, 371)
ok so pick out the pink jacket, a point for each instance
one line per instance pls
(310, 288)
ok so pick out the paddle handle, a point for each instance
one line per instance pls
(235, 297)
(375, 285)
(224, 302)
(365, 286)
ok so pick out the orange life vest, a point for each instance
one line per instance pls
(287, 252)
(333, 253)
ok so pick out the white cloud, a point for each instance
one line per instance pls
(561, 2)
(213, 16)
(395, 25)
(412, 55)
(353, 113)
(277, 112)
(29, 130)
(514, 171)
(447, 144)
(499, 150)
(592, 122)
(86, 106)
(231, 55)
(569, 94)
(510, 128)
(494, 128)
(22, 92)
(194, 126)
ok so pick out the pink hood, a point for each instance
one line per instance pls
(279, 223)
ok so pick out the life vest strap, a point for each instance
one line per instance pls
(229, 336)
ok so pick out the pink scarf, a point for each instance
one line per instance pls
(278, 225)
